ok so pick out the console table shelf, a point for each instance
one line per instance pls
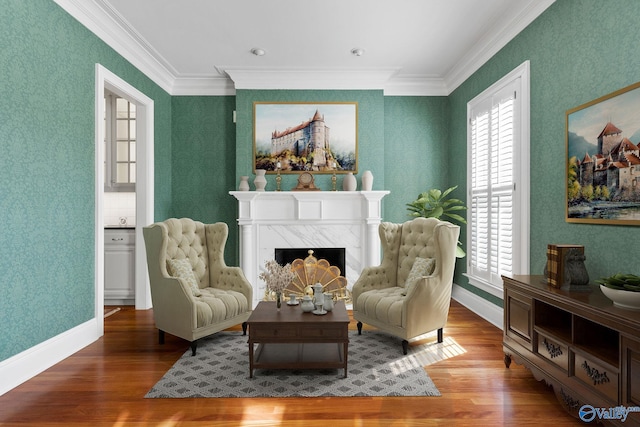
(575, 340)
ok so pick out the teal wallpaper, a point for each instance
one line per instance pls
(47, 169)
(203, 159)
(371, 149)
(416, 150)
(407, 131)
(402, 140)
(579, 50)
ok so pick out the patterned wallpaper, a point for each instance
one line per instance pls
(207, 151)
(371, 149)
(416, 150)
(203, 162)
(47, 169)
(579, 50)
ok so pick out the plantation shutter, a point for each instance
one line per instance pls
(492, 184)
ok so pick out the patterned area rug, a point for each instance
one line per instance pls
(220, 368)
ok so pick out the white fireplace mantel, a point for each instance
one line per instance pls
(308, 219)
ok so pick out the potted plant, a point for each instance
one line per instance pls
(435, 203)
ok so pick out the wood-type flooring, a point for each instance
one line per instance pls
(104, 385)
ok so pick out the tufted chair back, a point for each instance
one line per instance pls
(186, 239)
(403, 243)
(202, 244)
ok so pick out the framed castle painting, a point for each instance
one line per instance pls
(305, 137)
(603, 159)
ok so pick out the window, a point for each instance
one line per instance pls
(498, 182)
(120, 143)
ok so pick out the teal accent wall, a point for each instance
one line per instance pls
(416, 150)
(402, 140)
(579, 51)
(203, 162)
(47, 169)
(371, 147)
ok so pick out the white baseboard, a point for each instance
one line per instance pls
(483, 308)
(26, 365)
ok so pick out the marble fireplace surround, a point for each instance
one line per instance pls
(308, 219)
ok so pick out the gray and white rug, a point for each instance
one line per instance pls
(376, 367)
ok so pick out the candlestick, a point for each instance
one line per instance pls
(333, 178)
(278, 177)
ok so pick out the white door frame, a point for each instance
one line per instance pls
(105, 79)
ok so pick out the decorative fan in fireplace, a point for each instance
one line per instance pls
(310, 271)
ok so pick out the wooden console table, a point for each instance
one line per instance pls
(292, 339)
(576, 341)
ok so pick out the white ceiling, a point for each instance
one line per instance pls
(411, 47)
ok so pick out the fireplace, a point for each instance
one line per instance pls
(334, 256)
(346, 220)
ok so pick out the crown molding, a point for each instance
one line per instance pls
(308, 78)
(486, 47)
(202, 86)
(99, 18)
(415, 85)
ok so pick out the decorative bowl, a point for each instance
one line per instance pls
(622, 299)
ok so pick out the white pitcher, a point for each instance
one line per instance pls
(317, 294)
(307, 304)
(328, 301)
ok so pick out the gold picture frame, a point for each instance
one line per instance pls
(603, 161)
(298, 137)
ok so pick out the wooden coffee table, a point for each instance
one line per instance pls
(293, 339)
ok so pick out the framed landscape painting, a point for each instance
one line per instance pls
(305, 137)
(603, 159)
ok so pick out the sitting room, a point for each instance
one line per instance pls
(337, 128)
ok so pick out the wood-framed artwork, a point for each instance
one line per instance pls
(297, 137)
(603, 159)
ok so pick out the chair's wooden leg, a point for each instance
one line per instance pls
(194, 345)
(160, 336)
(359, 328)
(440, 335)
(244, 328)
(405, 346)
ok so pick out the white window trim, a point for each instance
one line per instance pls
(111, 141)
(522, 179)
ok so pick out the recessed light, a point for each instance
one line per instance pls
(257, 51)
(357, 51)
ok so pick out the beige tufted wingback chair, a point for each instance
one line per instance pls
(382, 296)
(205, 296)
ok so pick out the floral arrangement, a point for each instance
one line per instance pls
(277, 277)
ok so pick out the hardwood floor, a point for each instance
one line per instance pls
(104, 385)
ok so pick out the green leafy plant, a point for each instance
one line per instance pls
(622, 282)
(437, 204)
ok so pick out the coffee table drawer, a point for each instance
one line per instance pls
(323, 332)
(282, 331)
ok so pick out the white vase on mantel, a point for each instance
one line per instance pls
(367, 181)
(244, 183)
(260, 181)
(349, 182)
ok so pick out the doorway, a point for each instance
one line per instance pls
(144, 215)
(119, 201)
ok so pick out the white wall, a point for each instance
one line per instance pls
(117, 206)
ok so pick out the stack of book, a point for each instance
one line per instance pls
(556, 257)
